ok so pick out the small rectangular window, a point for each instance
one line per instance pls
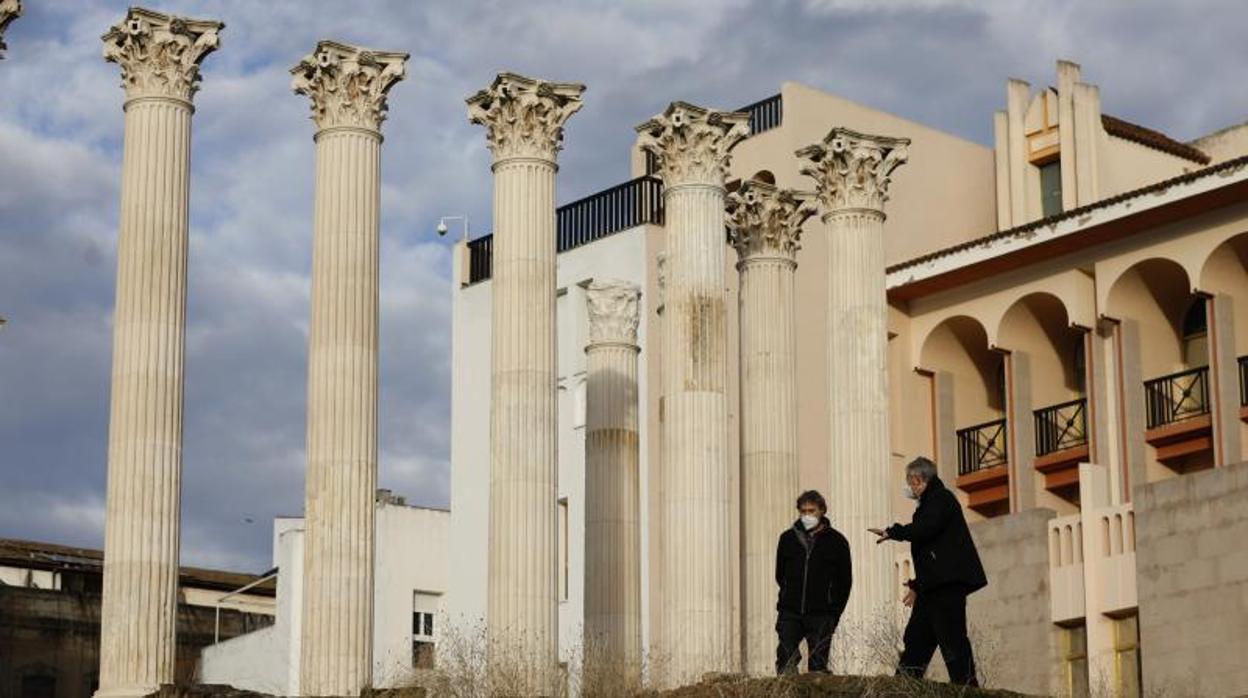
(1051, 188)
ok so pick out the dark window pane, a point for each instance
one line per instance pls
(429, 624)
(1051, 188)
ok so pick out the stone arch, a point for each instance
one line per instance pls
(959, 346)
(1038, 324)
(1156, 293)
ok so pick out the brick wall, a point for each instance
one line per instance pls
(1192, 561)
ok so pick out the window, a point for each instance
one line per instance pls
(1075, 660)
(1195, 335)
(563, 548)
(424, 609)
(1051, 188)
(1079, 365)
(1127, 656)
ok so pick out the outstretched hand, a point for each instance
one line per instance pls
(881, 533)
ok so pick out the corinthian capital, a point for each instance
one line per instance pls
(524, 117)
(613, 313)
(764, 221)
(9, 11)
(853, 170)
(691, 143)
(348, 84)
(160, 54)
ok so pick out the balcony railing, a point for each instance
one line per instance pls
(981, 446)
(1176, 397)
(765, 114)
(1059, 427)
(480, 256)
(628, 205)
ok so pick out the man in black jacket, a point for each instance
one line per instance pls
(814, 574)
(946, 570)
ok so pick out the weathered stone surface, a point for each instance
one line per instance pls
(1193, 580)
(347, 87)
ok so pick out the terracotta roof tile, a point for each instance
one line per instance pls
(1152, 139)
(1042, 222)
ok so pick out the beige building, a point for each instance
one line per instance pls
(1067, 312)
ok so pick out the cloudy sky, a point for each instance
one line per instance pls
(1175, 67)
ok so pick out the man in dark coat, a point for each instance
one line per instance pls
(814, 572)
(947, 569)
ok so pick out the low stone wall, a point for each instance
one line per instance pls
(1014, 640)
(1192, 561)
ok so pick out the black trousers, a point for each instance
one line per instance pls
(816, 630)
(939, 619)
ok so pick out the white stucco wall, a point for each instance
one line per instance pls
(619, 256)
(411, 556)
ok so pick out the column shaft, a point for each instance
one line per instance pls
(769, 466)
(697, 566)
(140, 588)
(523, 561)
(859, 456)
(336, 651)
(612, 490)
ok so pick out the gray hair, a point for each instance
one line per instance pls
(923, 467)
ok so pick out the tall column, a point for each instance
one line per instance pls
(347, 86)
(159, 57)
(851, 172)
(9, 11)
(524, 121)
(692, 147)
(612, 484)
(764, 226)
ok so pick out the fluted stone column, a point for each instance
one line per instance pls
(159, 58)
(347, 86)
(524, 121)
(764, 226)
(698, 567)
(851, 172)
(612, 485)
(9, 11)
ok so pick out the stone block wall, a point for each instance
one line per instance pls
(1192, 561)
(1015, 642)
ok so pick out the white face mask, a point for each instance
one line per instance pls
(908, 493)
(810, 521)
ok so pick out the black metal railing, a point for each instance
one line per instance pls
(480, 258)
(1243, 381)
(1176, 397)
(981, 446)
(765, 114)
(628, 205)
(1059, 427)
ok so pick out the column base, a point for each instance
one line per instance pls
(133, 691)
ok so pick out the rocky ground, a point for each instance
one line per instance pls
(804, 686)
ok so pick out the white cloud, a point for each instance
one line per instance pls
(942, 63)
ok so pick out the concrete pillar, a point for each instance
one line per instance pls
(159, 57)
(1067, 76)
(1223, 379)
(9, 11)
(1017, 96)
(691, 145)
(347, 86)
(612, 484)
(764, 225)
(524, 121)
(852, 173)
